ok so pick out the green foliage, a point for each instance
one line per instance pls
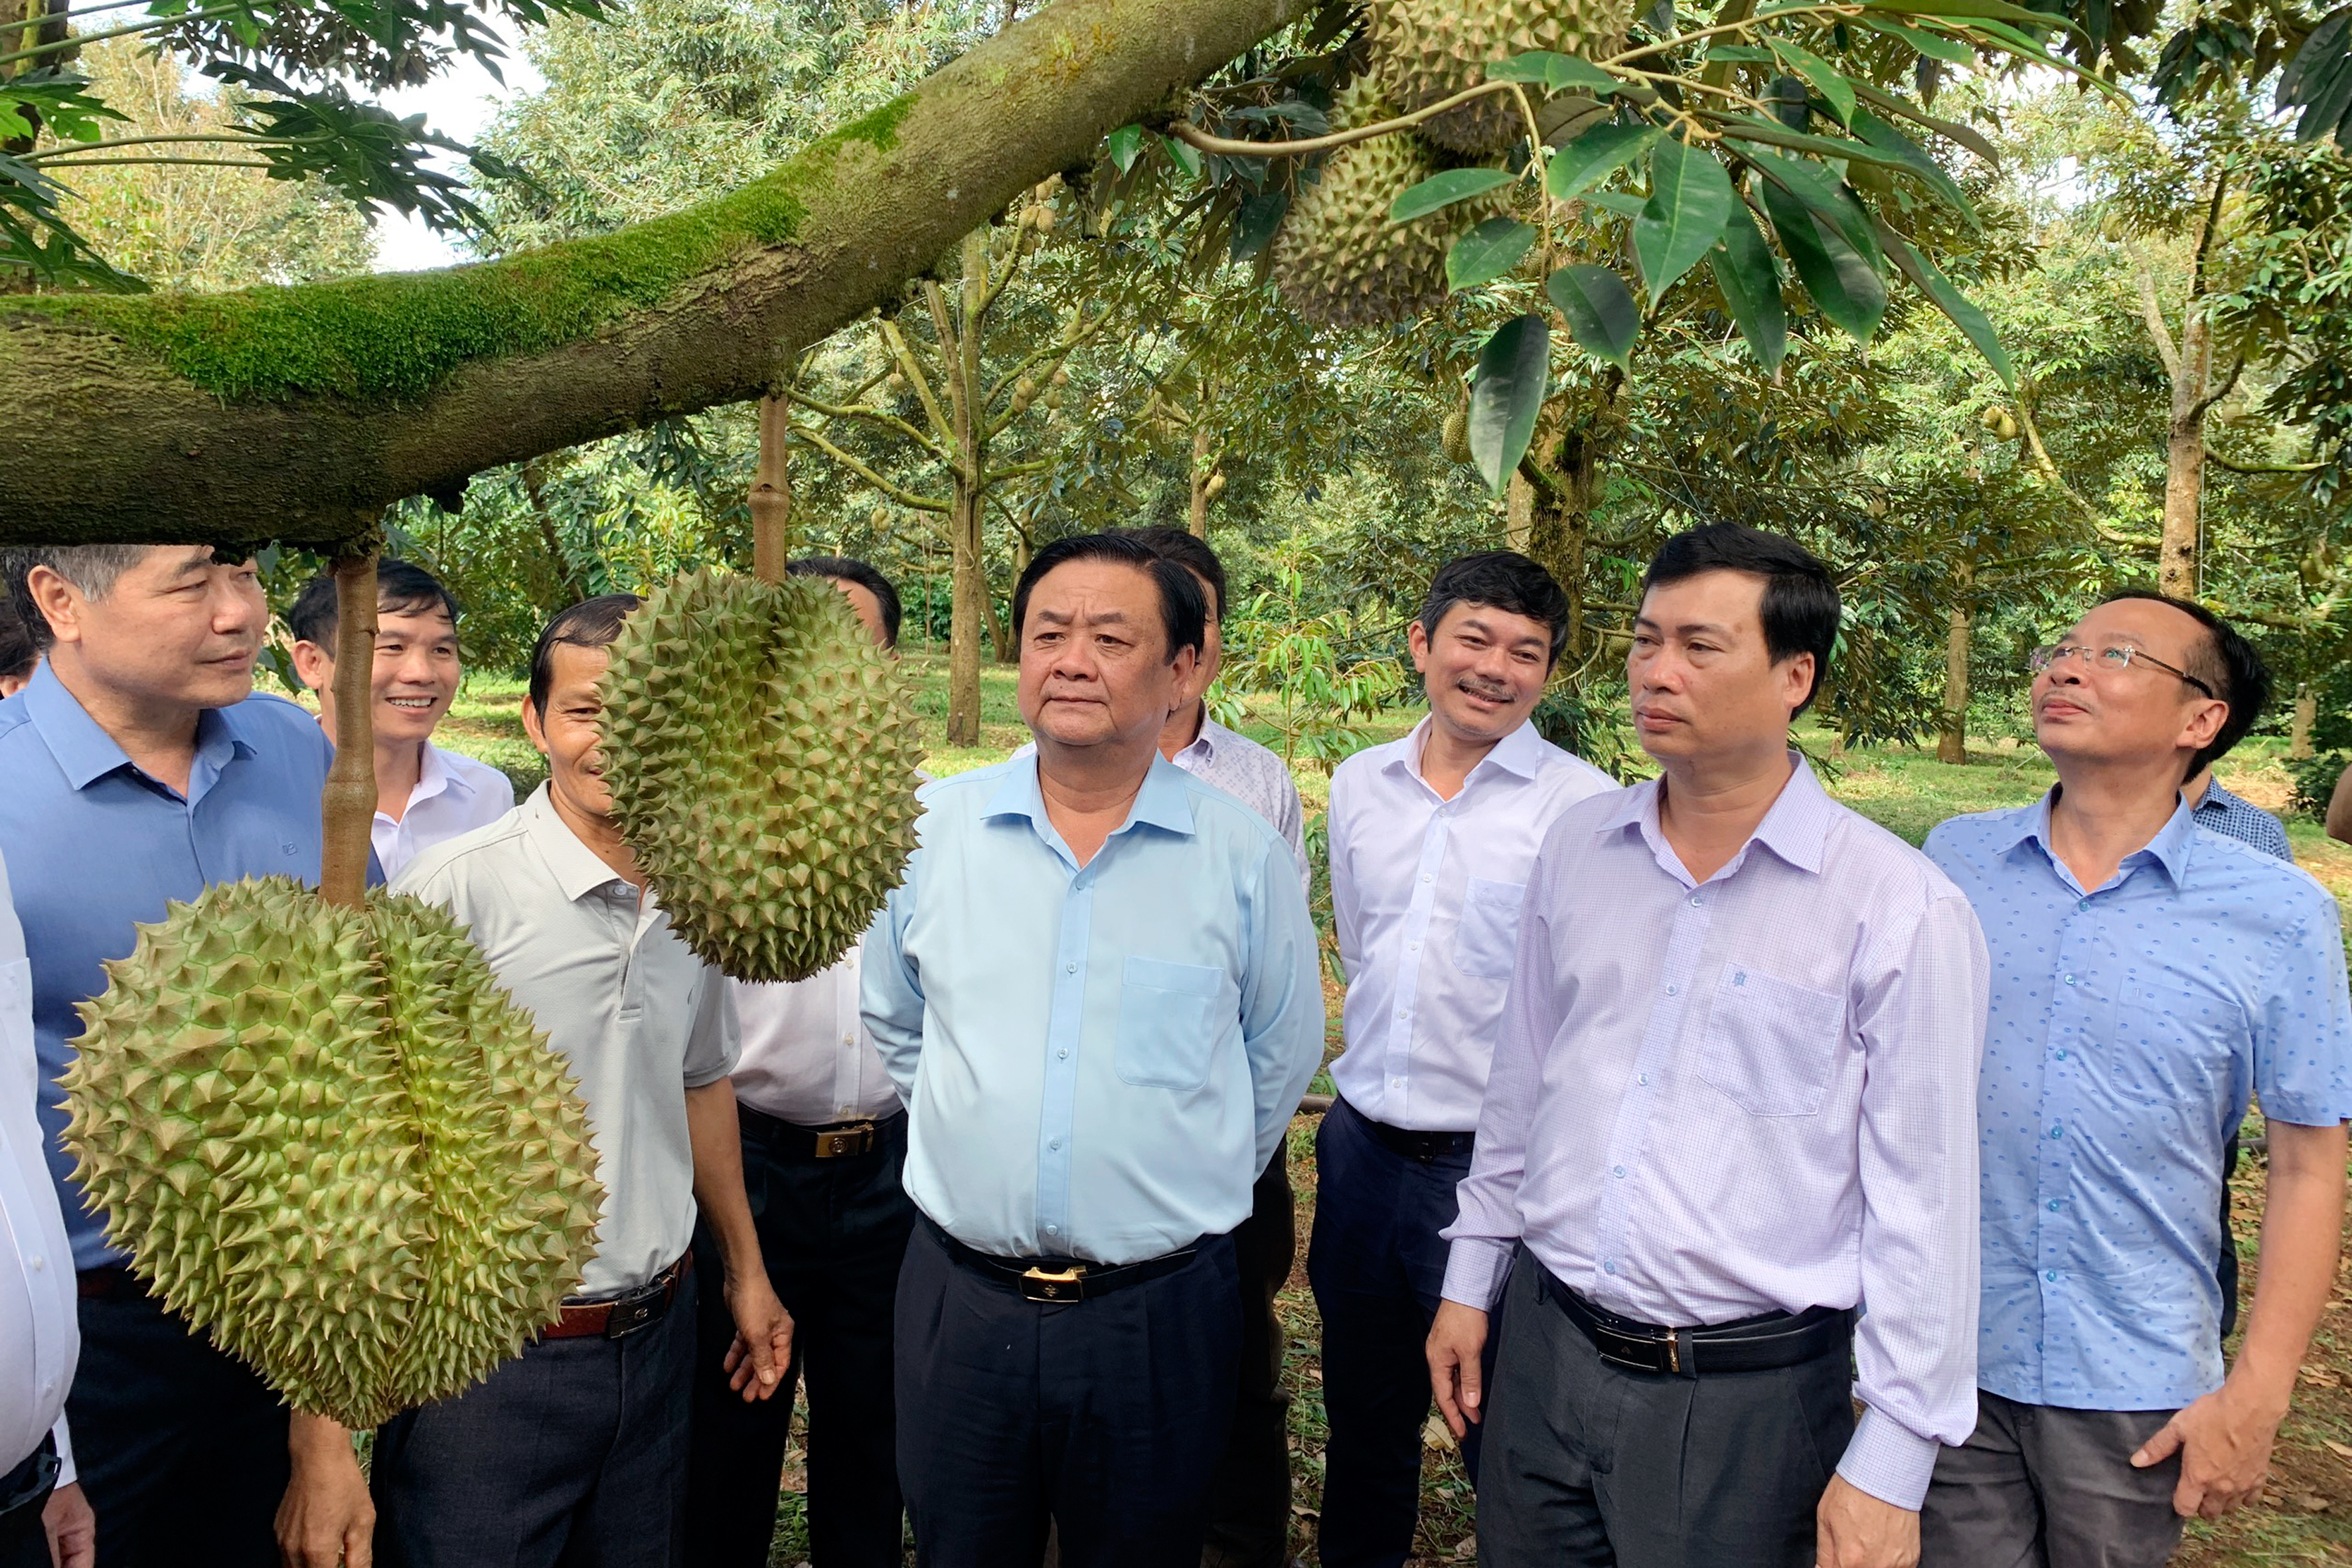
(1317, 696)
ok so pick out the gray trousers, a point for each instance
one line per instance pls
(2039, 1487)
(1589, 1466)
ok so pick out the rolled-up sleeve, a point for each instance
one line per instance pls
(1921, 1017)
(716, 1042)
(1282, 1000)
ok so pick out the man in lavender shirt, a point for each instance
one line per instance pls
(1729, 1144)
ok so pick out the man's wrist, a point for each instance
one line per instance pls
(310, 1438)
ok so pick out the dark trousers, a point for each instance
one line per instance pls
(1592, 1466)
(573, 1454)
(180, 1446)
(24, 1493)
(833, 1234)
(2039, 1487)
(1377, 1263)
(1106, 1415)
(1249, 1500)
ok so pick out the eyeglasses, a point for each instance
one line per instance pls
(2122, 656)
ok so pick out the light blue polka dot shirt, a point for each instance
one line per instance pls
(2127, 1026)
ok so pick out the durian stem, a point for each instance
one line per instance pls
(771, 491)
(347, 803)
(1194, 136)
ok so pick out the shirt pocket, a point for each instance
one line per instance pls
(1168, 1022)
(2172, 1042)
(1487, 937)
(1769, 1044)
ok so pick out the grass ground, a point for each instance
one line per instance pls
(2304, 1518)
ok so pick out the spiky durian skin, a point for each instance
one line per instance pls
(246, 1108)
(1427, 49)
(761, 752)
(1338, 259)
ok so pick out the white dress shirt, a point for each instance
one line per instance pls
(1753, 1094)
(38, 1336)
(1425, 893)
(454, 794)
(639, 1019)
(808, 1058)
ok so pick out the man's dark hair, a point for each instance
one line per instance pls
(2229, 666)
(849, 569)
(92, 568)
(1183, 607)
(1505, 579)
(1189, 550)
(592, 623)
(402, 588)
(1801, 599)
(19, 652)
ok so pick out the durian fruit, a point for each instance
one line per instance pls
(1428, 50)
(1338, 259)
(762, 755)
(1454, 436)
(327, 1137)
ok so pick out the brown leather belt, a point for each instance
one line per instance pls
(624, 1314)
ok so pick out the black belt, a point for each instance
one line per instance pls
(790, 1140)
(1058, 1279)
(618, 1317)
(1749, 1344)
(29, 1484)
(1427, 1148)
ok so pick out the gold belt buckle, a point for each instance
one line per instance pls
(844, 1140)
(1054, 1284)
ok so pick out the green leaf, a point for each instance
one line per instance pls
(1514, 374)
(1123, 145)
(1624, 203)
(1255, 222)
(1747, 128)
(1690, 195)
(1750, 282)
(1486, 252)
(1972, 9)
(1915, 159)
(1740, 54)
(1187, 157)
(1825, 198)
(1440, 191)
(1938, 45)
(1554, 73)
(1599, 311)
(1594, 156)
(1819, 75)
(1843, 283)
(2018, 43)
(1964, 314)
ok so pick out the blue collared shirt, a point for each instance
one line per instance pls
(1099, 1060)
(2128, 1024)
(95, 846)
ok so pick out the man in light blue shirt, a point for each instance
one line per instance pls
(2149, 975)
(1098, 994)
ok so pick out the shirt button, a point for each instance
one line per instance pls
(1643, 1079)
(2062, 1053)
(2083, 905)
(1055, 1144)
(1053, 1231)
(2059, 1131)
(37, 1262)
(1069, 969)
(1413, 946)
(2054, 1206)
(1674, 990)
(1062, 1055)
(1618, 1171)
(1429, 879)
(2069, 979)
(2051, 1275)
(1608, 1266)
(1696, 901)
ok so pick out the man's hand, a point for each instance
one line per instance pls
(2224, 1443)
(328, 1519)
(1855, 1530)
(72, 1528)
(1456, 1339)
(763, 1350)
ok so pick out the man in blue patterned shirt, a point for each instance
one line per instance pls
(2149, 976)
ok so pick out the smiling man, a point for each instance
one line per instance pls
(1732, 1111)
(1432, 836)
(1098, 992)
(142, 767)
(423, 794)
(2151, 974)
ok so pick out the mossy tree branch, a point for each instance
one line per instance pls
(285, 413)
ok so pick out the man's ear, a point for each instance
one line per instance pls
(2204, 724)
(314, 667)
(58, 602)
(533, 729)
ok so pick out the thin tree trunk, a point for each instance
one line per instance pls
(2184, 458)
(347, 801)
(2306, 714)
(771, 492)
(1952, 732)
(1559, 522)
(968, 610)
(1518, 513)
(1196, 516)
(534, 490)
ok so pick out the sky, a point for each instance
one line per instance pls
(460, 102)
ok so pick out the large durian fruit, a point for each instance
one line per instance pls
(762, 755)
(1423, 51)
(1338, 259)
(328, 1136)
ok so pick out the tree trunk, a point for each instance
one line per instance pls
(1196, 516)
(347, 801)
(292, 412)
(969, 609)
(2184, 459)
(2306, 714)
(1952, 730)
(1518, 513)
(771, 492)
(534, 490)
(1559, 520)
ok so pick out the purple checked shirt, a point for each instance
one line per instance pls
(1752, 1094)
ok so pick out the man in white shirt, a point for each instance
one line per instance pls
(44, 1517)
(423, 794)
(824, 1146)
(576, 1451)
(1432, 836)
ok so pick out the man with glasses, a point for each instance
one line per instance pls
(2148, 975)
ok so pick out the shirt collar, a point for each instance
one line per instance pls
(434, 775)
(86, 752)
(1521, 751)
(2170, 847)
(578, 871)
(1204, 744)
(1796, 828)
(1164, 801)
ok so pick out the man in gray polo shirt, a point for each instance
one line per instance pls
(576, 1450)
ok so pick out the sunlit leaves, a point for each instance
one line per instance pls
(1599, 310)
(1690, 195)
(1819, 75)
(1513, 375)
(1840, 278)
(1554, 73)
(1594, 156)
(1486, 252)
(1440, 191)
